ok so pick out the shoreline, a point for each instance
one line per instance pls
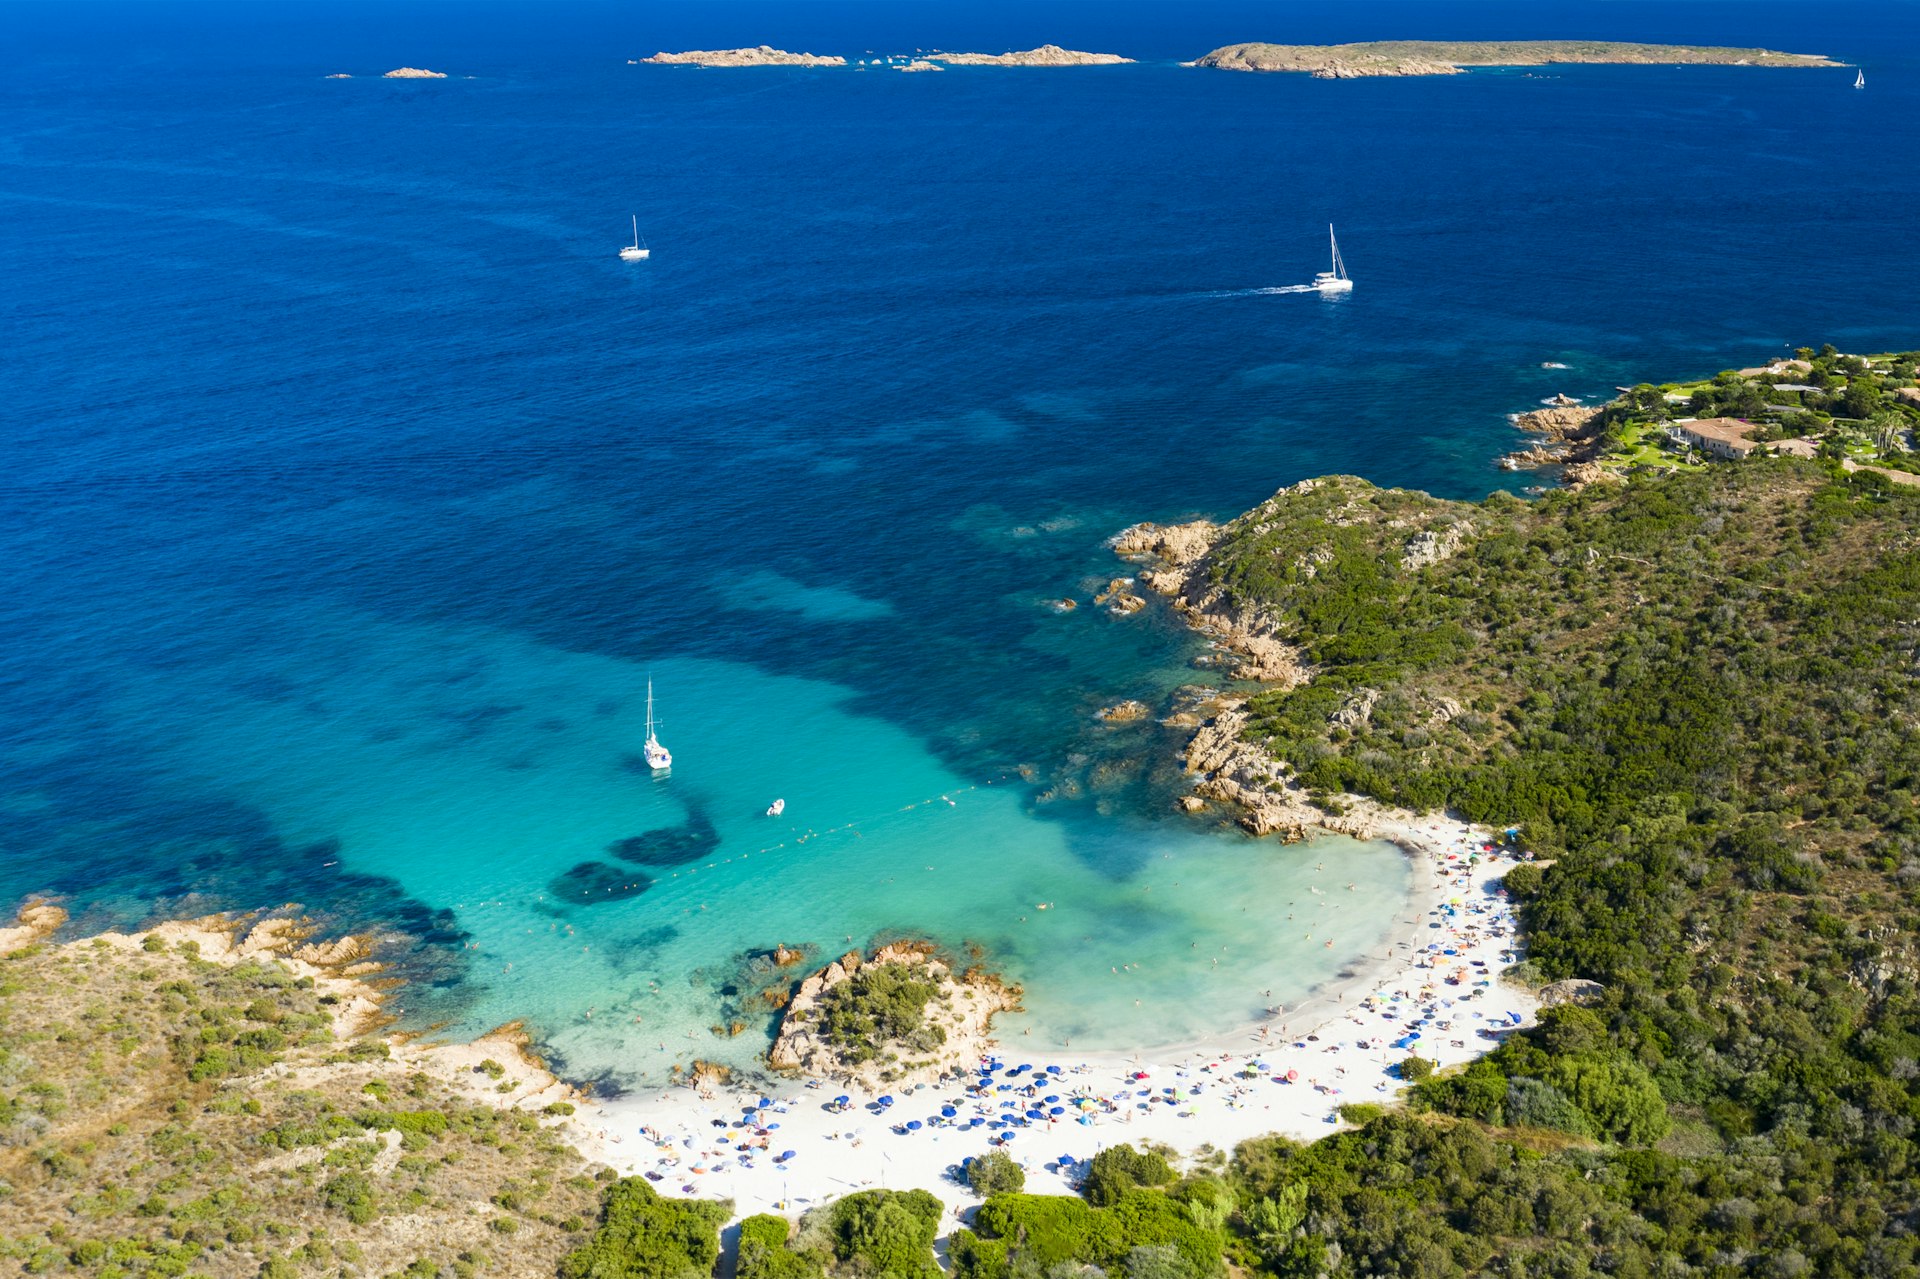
(1289, 1074)
(1341, 1045)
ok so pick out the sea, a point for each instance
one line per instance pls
(353, 490)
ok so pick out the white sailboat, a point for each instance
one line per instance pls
(1860, 79)
(659, 758)
(1334, 281)
(635, 252)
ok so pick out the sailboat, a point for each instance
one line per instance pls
(659, 758)
(635, 252)
(1860, 79)
(1334, 281)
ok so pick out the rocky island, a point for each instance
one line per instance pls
(1047, 55)
(411, 73)
(760, 56)
(1451, 57)
(902, 1014)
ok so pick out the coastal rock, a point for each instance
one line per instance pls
(1123, 712)
(414, 73)
(1573, 990)
(1175, 545)
(37, 921)
(921, 64)
(1047, 55)
(1449, 57)
(1568, 422)
(1120, 598)
(338, 75)
(1430, 546)
(760, 56)
(785, 956)
(963, 1011)
(1357, 710)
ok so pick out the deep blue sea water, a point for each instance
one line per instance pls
(351, 488)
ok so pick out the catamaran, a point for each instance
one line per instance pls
(659, 758)
(1334, 281)
(635, 252)
(1860, 79)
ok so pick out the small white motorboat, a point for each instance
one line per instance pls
(635, 252)
(776, 808)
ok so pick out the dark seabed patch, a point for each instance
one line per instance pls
(591, 883)
(670, 845)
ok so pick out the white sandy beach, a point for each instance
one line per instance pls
(1436, 981)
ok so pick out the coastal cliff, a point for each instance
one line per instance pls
(1047, 55)
(901, 1014)
(760, 56)
(1450, 57)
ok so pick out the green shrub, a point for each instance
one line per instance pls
(1118, 1169)
(642, 1236)
(995, 1173)
(765, 1254)
(887, 1233)
(352, 1195)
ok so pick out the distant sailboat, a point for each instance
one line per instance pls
(1334, 281)
(635, 252)
(659, 758)
(1860, 79)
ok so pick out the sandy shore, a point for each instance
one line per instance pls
(1436, 980)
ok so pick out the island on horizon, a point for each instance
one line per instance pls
(1452, 57)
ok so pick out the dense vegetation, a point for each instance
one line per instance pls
(881, 1004)
(1863, 409)
(1697, 694)
(642, 1236)
(144, 1133)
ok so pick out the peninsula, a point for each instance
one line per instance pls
(1450, 57)
(1047, 55)
(760, 56)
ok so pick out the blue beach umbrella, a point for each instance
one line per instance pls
(1051, 1098)
(913, 1125)
(1058, 1110)
(948, 1112)
(1053, 1070)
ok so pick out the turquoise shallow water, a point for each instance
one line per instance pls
(352, 488)
(476, 768)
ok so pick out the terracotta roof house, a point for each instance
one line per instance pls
(1717, 436)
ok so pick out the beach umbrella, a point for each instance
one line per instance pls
(948, 1112)
(885, 1101)
(913, 1125)
(1051, 1098)
(842, 1100)
(788, 1154)
(1058, 1110)
(1053, 1070)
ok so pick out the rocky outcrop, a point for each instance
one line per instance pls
(37, 921)
(1231, 770)
(1565, 422)
(1450, 57)
(921, 64)
(761, 56)
(1431, 546)
(963, 1009)
(1119, 597)
(414, 73)
(1047, 55)
(1123, 712)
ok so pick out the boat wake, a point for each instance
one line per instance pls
(1257, 293)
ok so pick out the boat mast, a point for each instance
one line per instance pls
(636, 244)
(649, 710)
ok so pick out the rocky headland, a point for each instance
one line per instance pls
(902, 1014)
(411, 73)
(1450, 57)
(760, 56)
(1230, 582)
(1047, 55)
